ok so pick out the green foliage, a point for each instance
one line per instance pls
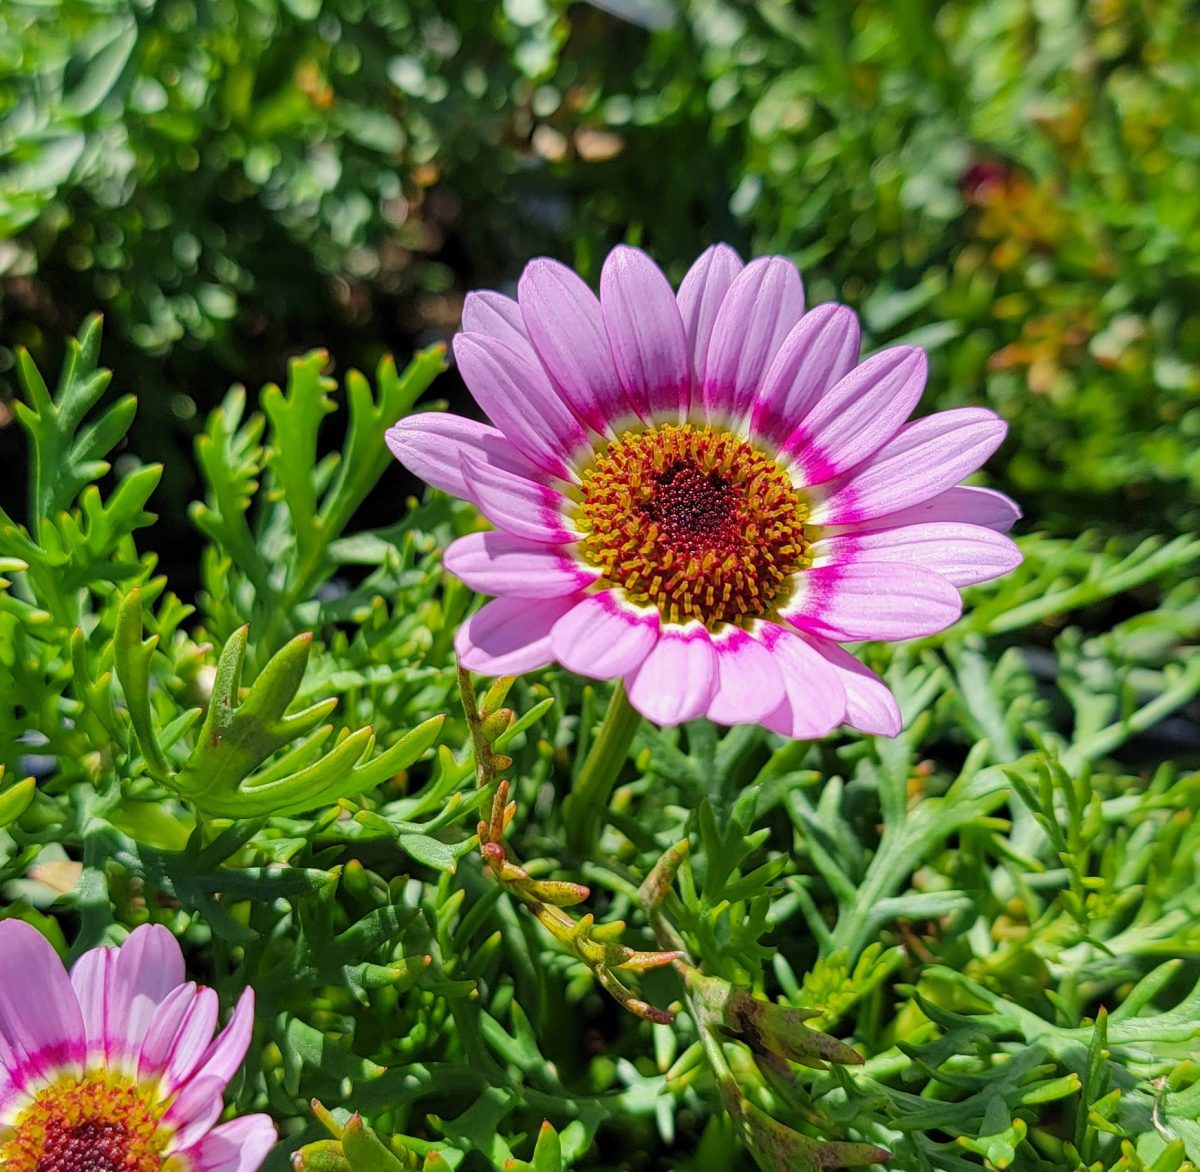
(239, 734)
(15, 799)
(969, 947)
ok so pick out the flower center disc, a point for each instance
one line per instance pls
(695, 522)
(87, 1125)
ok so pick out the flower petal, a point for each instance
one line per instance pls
(865, 600)
(858, 415)
(240, 1145)
(870, 705)
(520, 401)
(193, 1113)
(962, 554)
(149, 965)
(566, 327)
(163, 1032)
(676, 681)
(749, 682)
(821, 348)
(497, 316)
(199, 1103)
(519, 506)
(645, 331)
(764, 302)
(603, 638)
(510, 636)
(700, 296)
(431, 445)
(927, 457)
(497, 563)
(41, 1024)
(965, 504)
(193, 1035)
(228, 1049)
(91, 978)
(814, 701)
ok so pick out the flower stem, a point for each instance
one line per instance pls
(584, 808)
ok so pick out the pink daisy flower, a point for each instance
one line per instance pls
(705, 493)
(115, 1068)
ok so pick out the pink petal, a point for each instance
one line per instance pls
(566, 327)
(91, 978)
(646, 334)
(517, 505)
(431, 445)
(814, 701)
(192, 1038)
(971, 506)
(228, 1050)
(240, 1145)
(603, 638)
(962, 554)
(149, 965)
(927, 457)
(40, 1020)
(821, 348)
(676, 681)
(510, 636)
(764, 302)
(194, 1112)
(865, 600)
(520, 401)
(495, 315)
(749, 682)
(870, 705)
(497, 563)
(199, 1104)
(498, 317)
(163, 1032)
(701, 294)
(858, 415)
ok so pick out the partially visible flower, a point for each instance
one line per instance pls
(704, 493)
(115, 1068)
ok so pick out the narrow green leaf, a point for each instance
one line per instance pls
(132, 655)
(430, 851)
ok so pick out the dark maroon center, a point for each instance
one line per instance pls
(95, 1145)
(696, 510)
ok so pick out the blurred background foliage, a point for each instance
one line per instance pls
(1010, 185)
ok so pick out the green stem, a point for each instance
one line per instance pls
(584, 809)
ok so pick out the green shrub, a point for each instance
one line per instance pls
(996, 910)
